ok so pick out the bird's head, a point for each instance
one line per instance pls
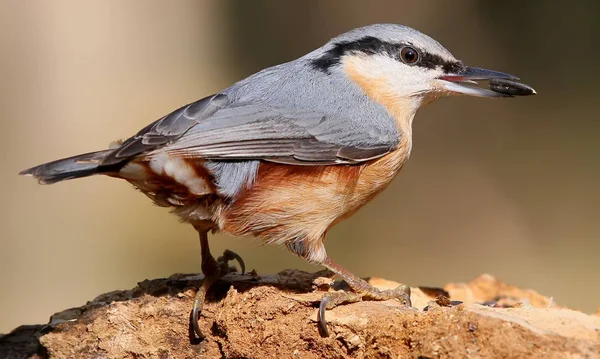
(403, 68)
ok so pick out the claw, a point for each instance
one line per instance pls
(321, 322)
(402, 293)
(332, 300)
(231, 255)
(196, 309)
(212, 273)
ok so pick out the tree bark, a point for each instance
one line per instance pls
(274, 316)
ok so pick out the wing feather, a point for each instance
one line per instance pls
(216, 129)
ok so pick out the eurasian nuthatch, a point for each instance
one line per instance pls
(290, 151)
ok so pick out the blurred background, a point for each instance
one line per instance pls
(508, 187)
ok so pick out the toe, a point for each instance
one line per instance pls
(231, 255)
(321, 322)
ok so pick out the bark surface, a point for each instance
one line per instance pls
(251, 316)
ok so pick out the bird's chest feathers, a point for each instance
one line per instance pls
(373, 178)
(307, 200)
(368, 76)
(380, 172)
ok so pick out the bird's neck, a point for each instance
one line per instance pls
(378, 88)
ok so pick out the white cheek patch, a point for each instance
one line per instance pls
(180, 171)
(404, 80)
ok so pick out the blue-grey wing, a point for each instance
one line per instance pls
(216, 129)
(259, 131)
(167, 129)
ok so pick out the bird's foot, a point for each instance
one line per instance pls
(332, 300)
(218, 269)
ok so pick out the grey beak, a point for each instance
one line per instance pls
(501, 84)
(475, 73)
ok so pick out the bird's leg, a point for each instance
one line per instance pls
(213, 269)
(361, 290)
(314, 252)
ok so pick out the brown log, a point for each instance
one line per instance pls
(251, 316)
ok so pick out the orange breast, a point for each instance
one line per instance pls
(302, 202)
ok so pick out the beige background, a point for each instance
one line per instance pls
(508, 187)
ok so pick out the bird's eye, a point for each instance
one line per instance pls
(409, 55)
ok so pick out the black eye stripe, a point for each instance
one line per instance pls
(431, 61)
(371, 46)
(367, 45)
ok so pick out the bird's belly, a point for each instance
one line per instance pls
(288, 203)
(284, 203)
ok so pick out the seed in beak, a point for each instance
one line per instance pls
(511, 88)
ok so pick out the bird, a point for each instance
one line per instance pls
(288, 152)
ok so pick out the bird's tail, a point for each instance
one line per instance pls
(69, 168)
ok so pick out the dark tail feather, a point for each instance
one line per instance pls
(68, 168)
